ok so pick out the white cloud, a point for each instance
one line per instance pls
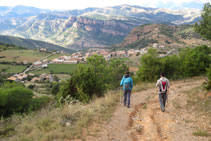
(80, 4)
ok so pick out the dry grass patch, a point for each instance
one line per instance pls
(198, 99)
(143, 86)
(71, 121)
(200, 103)
(201, 133)
(65, 123)
(176, 104)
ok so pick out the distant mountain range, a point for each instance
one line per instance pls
(91, 27)
(20, 12)
(31, 44)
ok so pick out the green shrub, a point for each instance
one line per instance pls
(208, 87)
(38, 103)
(29, 77)
(93, 79)
(84, 84)
(171, 67)
(14, 98)
(1, 78)
(31, 86)
(151, 66)
(55, 88)
(56, 78)
(195, 61)
(116, 69)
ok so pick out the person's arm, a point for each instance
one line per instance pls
(168, 86)
(131, 83)
(122, 81)
(157, 84)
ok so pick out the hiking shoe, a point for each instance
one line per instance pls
(163, 110)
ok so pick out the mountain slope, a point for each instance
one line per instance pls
(92, 27)
(31, 44)
(160, 35)
(20, 11)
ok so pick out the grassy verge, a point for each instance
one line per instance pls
(71, 121)
(65, 123)
(200, 100)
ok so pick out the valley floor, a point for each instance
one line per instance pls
(144, 121)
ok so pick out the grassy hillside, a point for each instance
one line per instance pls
(31, 44)
(22, 55)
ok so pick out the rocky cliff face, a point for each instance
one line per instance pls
(110, 27)
(75, 32)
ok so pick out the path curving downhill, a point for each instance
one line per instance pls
(144, 121)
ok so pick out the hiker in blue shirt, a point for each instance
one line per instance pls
(127, 83)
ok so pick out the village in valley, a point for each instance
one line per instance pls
(74, 58)
(79, 57)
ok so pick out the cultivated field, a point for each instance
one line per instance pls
(24, 55)
(12, 68)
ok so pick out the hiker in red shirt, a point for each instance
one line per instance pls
(163, 85)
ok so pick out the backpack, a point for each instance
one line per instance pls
(163, 87)
(127, 85)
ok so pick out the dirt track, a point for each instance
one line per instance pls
(145, 121)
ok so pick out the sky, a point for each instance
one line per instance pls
(81, 4)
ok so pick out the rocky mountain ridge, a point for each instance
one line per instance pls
(92, 27)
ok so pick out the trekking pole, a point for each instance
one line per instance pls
(120, 96)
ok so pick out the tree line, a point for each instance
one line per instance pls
(188, 63)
